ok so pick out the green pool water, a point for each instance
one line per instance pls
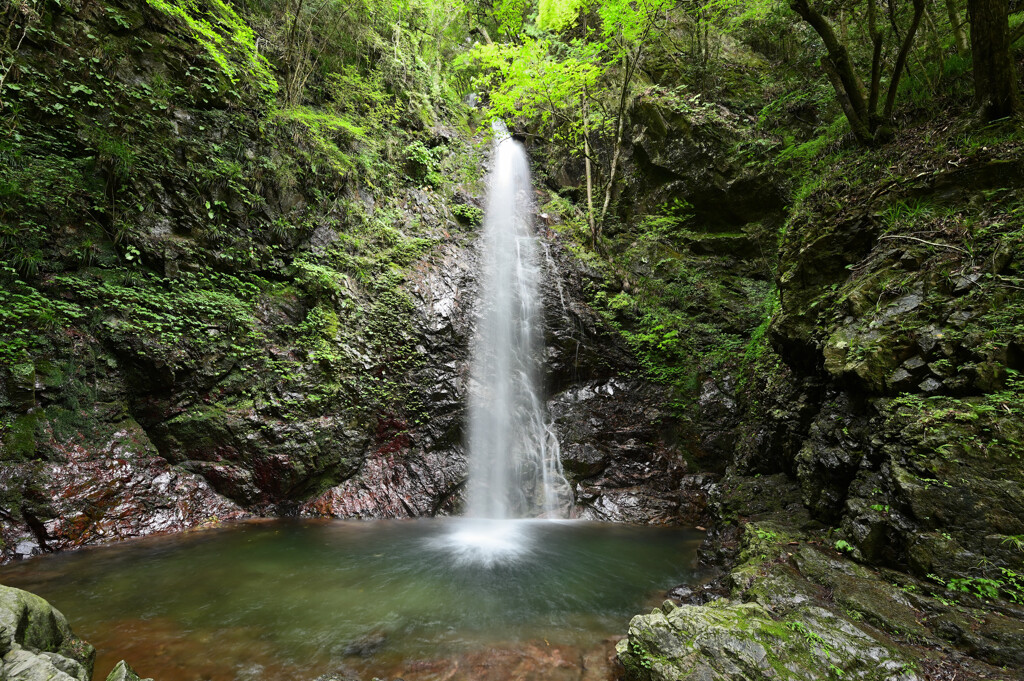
(419, 599)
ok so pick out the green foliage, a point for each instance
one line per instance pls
(533, 80)
(625, 22)
(325, 132)
(424, 162)
(470, 214)
(555, 15)
(645, 658)
(228, 40)
(1008, 583)
(733, 14)
(983, 426)
(986, 589)
(363, 98)
(319, 334)
(573, 86)
(171, 317)
(27, 317)
(805, 152)
(811, 637)
(1016, 541)
(510, 16)
(901, 214)
(319, 281)
(1012, 584)
(401, 47)
(758, 345)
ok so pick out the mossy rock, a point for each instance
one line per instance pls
(21, 386)
(37, 642)
(122, 671)
(863, 594)
(989, 636)
(743, 642)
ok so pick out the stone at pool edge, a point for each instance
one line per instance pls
(36, 641)
(743, 642)
(122, 671)
(37, 644)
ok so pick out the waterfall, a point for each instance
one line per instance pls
(514, 466)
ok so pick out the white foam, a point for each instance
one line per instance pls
(485, 542)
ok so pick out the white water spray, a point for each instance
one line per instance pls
(514, 467)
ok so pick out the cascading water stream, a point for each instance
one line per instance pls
(514, 467)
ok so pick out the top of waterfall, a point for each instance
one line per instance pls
(501, 132)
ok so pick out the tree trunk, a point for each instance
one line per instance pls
(901, 60)
(629, 68)
(586, 152)
(935, 44)
(292, 61)
(876, 59)
(590, 174)
(957, 22)
(995, 75)
(858, 125)
(841, 69)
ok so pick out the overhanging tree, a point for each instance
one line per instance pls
(860, 103)
(574, 73)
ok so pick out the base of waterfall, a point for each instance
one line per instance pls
(492, 542)
(487, 542)
(295, 600)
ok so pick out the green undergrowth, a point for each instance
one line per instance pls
(1005, 583)
(326, 133)
(228, 40)
(683, 315)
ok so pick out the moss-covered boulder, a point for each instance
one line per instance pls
(744, 642)
(37, 643)
(788, 570)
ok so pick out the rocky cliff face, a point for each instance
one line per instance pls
(883, 399)
(841, 338)
(618, 443)
(907, 355)
(163, 456)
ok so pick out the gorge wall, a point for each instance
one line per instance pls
(867, 427)
(214, 305)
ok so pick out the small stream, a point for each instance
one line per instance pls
(423, 599)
